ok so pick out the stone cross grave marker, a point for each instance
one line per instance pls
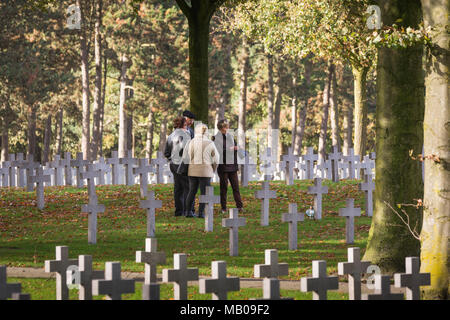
(49, 172)
(180, 275)
(302, 167)
(271, 290)
(412, 279)
(209, 199)
(7, 289)
(151, 204)
(219, 284)
(39, 178)
(79, 165)
(352, 160)
(272, 269)
(113, 286)
(323, 169)
(20, 296)
(319, 283)
(30, 166)
(92, 209)
(115, 163)
(129, 162)
(159, 163)
(317, 190)
(367, 165)
(382, 290)
(60, 266)
(20, 171)
(143, 170)
(66, 165)
(58, 169)
(90, 174)
(151, 257)
(4, 172)
(150, 291)
(265, 195)
(267, 162)
(12, 170)
(293, 217)
(368, 186)
(354, 268)
(309, 159)
(343, 169)
(247, 169)
(84, 276)
(350, 212)
(103, 168)
(335, 157)
(290, 160)
(233, 223)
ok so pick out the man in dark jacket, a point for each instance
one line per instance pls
(190, 117)
(228, 167)
(175, 145)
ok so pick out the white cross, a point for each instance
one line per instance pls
(293, 217)
(92, 209)
(90, 174)
(354, 268)
(209, 199)
(368, 186)
(151, 204)
(219, 285)
(29, 165)
(7, 289)
(113, 285)
(84, 277)
(60, 266)
(290, 160)
(265, 194)
(19, 162)
(382, 290)
(267, 160)
(180, 275)
(350, 212)
(319, 283)
(159, 162)
(4, 171)
(103, 168)
(233, 223)
(143, 170)
(56, 165)
(114, 162)
(79, 163)
(317, 190)
(39, 178)
(335, 157)
(412, 279)
(129, 162)
(151, 257)
(309, 159)
(66, 164)
(272, 269)
(12, 170)
(352, 161)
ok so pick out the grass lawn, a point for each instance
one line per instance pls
(28, 236)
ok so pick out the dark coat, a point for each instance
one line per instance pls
(228, 158)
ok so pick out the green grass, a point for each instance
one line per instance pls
(29, 236)
(44, 289)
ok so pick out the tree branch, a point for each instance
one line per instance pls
(185, 8)
(406, 222)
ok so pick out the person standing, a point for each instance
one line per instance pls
(228, 166)
(176, 142)
(190, 118)
(203, 159)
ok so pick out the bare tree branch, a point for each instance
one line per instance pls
(413, 232)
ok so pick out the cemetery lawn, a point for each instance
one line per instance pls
(44, 289)
(28, 236)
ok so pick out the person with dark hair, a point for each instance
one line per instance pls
(228, 166)
(203, 158)
(190, 117)
(176, 142)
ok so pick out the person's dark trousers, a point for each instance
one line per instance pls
(194, 184)
(234, 181)
(180, 192)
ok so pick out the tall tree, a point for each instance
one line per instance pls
(400, 111)
(436, 204)
(198, 14)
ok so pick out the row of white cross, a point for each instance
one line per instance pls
(110, 283)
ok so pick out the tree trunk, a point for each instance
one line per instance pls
(326, 105)
(244, 65)
(334, 113)
(436, 214)
(399, 119)
(130, 144)
(85, 137)
(270, 101)
(122, 112)
(32, 132)
(5, 141)
(300, 131)
(348, 128)
(150, 129)
(360, 93)
(47, 138)
(163, 136)
(98, 83)
(294, 109)
(220, 113)
(102, 109)
(59, 132)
